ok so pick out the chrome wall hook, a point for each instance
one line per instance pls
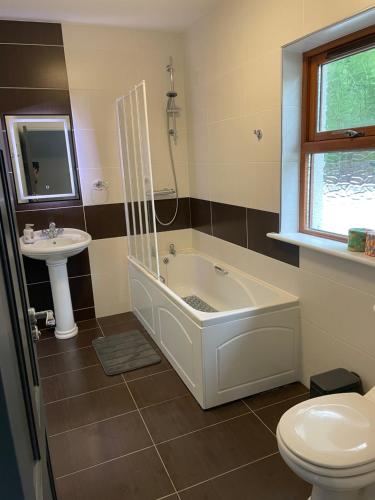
(259, 133)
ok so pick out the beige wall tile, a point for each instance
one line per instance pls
(109, 268)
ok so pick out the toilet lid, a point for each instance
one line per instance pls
(336, 431)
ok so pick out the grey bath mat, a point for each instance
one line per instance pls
(125, 352)
(200, 305)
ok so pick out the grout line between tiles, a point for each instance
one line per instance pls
(204, 428)
(69, 371)
(103, 463)
(150, 375)
(149, 433)
(162, 402)
(224, 473)
(92, 423)
(79, 331)
(282, 401)
(69, 277)
(65, 352)
(82, 394)
(260, 420)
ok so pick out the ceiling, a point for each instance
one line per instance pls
(158, 14)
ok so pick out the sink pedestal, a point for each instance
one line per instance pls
(65, 324)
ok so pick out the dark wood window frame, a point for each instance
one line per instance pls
(313, 141)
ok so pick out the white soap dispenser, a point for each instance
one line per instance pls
(28, 234)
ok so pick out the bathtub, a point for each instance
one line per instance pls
(245, 341)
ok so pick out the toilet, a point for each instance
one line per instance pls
(329, 442)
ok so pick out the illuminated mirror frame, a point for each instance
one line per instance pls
(12, 130)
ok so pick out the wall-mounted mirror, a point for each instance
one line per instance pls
(43, 158)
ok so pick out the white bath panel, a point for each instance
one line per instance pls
(177, 342)
(143, 304)
(227, 355)
(254, 355)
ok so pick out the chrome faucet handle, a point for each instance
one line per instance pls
(52, 226)
(60, 230)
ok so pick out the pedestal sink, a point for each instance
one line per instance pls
(56, 251)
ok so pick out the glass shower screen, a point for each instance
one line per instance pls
(137, 177)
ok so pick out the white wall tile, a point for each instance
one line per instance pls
(113, 192)
(182, 239)
(241, 41)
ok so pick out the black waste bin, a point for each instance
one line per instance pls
(335, 381)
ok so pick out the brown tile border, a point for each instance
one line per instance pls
(165, 210)
(33, 66)
(242, 226)
(31, 33)
(229, 223)
(105, 221)
(63, 217)
(201, 218)
(36, 271)
(34, 102)
(259, 223)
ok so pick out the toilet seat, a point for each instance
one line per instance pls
(331, 433)
(323, 472)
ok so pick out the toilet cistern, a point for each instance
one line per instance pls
(54, 246)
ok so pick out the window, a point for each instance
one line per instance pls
(338, 137)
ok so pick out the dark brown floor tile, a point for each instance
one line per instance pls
(87, 324)
(268, 479)
(275, 395)
(76, 383)
(148, 370)
(61, 363)
(272, 414)
(57, 346)
(173, 418)
(157, 388)
(83, 325)
(88, 408)
(119, 323)
(140, 476)
(121, 327)
(97, 443)
(217, 449)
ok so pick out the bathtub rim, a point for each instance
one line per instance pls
(203, 319)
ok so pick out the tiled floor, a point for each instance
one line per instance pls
(142, 436)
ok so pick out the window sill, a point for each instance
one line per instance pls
(323, 245)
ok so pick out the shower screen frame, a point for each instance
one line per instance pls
(136, 167)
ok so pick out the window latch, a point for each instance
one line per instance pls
(353, 133)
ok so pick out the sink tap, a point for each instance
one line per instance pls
(172, 249)
(52, 231)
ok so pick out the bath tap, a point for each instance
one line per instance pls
(52, 231)
(172, 249)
